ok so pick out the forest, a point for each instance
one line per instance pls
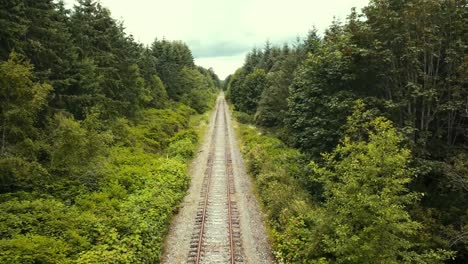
(361, 155)
(356, 139)
(96, 133)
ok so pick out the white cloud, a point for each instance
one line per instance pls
(224, 65)
(209, 25)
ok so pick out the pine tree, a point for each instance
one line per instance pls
(251, 90)
(13, 27)
(21, 99)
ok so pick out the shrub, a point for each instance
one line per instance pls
(278, 172)
(243, 118)
(124, 217)
(183, 149)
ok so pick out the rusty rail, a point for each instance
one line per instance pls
(197, 244)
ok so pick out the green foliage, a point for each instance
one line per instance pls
(34, 249)
(201, 90)
(362, 215)
(273, 105)
(182, 145)
(189, 134)
(279, 176)
(183, 149)
(74, 145)
(365, 200)
(159, 98)
(18, 173)
(243, 118)
(264, 93)
(171, 59)
(27, 221)
(157, 126)
(250, 90)
(316, 110)
(122, 216)
(406, 60)
(95, 138)
(22, 99)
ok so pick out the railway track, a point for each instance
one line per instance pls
(217, 237)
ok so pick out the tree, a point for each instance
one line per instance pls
(21, 99)
(273, 105)
(251, 90)
(199, 89)
(320, 99)
(407, 61)
(102, 39)
(171, 59)
(312, 41)
(159, 98)
(13, 26)
(233, 87)
(84, 171)
(366, 200)
(421, 56)
(84, 91)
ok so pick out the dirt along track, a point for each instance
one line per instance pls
(220, 220)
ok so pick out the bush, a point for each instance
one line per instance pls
(244, 118)
(31, 249)
(124, 217)
(278, 172)
(189, 134)
(351, 207)
(183, 149)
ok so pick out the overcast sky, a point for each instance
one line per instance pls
(221, 32)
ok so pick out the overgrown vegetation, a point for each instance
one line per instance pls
(352, 208)
(96, 132)
(378, 105)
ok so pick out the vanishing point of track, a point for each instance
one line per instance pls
(216, 237)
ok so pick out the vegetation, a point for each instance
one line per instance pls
(377, 109)
(352, 208)
(96, 132)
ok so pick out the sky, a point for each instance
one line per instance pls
(221, 32)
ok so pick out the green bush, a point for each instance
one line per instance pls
(183, 149)
(189, 134)
(278, 172)
(349, 207)
(31, 249)
(124, 217)
(244, 118)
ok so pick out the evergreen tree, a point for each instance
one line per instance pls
(159, 98)
(13, 26)
(366, 200)
(171, 58)
(251, 90)
(22, 99)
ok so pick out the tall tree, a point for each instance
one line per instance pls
(251, 90)
(366, 199)
(21, 99)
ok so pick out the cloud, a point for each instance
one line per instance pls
(225, 28)
(224, 65)
(220, 49)
(205, 49)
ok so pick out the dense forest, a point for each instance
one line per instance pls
(96, 131)
(365, 158)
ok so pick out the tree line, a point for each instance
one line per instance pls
(378, 108)
(96, 130)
